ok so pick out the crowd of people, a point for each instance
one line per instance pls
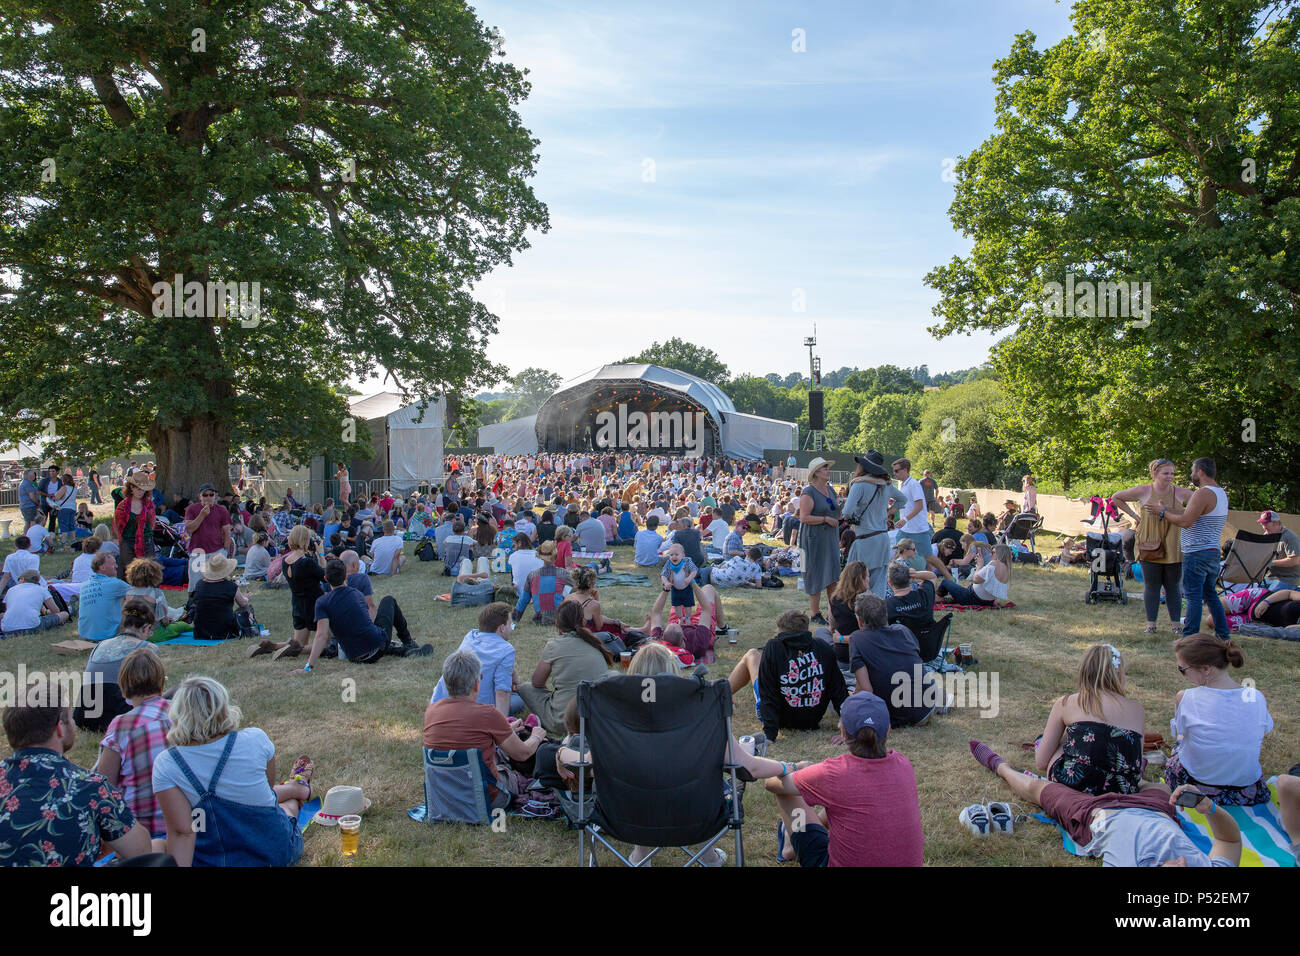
(867, 556)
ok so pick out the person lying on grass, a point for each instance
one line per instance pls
(1124, 829)
(871, 812)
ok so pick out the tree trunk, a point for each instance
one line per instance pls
(188, 456)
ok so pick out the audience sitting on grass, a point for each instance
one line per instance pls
(145, 577)
(100, 609)
(23, 558)
(459, 720)
(871, 812)
(228, 773)
(55, 813)
(1131, 828)
(911, 598)
(1218, 725)
(544, 587)
(388, 556)
(568, 659)
(794, 677)
(989, 585)
(134, 739)
(886, 660)
(1093, 739)
(342, 611)
(646, 544)
(523, 561)
(81, 570)
(102, 698)
(587, 595)
(258, 559)
(740, 570)
(490, 643)
(29, 607)
(214, 600)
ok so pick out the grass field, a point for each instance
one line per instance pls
(374, 741)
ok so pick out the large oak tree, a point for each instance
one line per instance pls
(361, 161)
(1158, 144)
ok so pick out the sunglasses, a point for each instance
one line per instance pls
(1183, 668)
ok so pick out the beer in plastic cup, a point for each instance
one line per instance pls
(350, 832)
(625, 657)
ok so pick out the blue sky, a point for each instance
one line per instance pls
(699, 172)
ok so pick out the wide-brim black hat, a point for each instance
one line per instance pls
(872, 468)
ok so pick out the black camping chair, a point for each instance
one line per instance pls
(934, 642)
(1248, 559)
(658, 749)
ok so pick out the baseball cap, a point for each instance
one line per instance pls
(206, 487)
(1266, 516)
(865, 709)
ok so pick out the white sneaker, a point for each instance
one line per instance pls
(1002, 819)
(976, 819)
(719, 858)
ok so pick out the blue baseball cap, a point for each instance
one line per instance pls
(865, 709)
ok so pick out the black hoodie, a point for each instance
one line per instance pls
(797, 678)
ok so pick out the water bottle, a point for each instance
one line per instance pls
(799, 582)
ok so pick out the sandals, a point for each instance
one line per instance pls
(303, 770)
(262, 647)
(1150, 628)
(289, 650)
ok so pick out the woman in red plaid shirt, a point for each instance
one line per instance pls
(134, 739)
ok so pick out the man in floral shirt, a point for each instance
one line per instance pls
(52, 812)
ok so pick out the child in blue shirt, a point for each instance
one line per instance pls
(678, 575)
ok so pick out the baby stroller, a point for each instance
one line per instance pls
(1105, 565)
(169, 542)
(1022, 528)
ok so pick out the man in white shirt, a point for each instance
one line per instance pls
(40, 538)
(524, 525)
(387, 556)
(29, 607)
(23, 558)
(716, 532)
(523, 560)
(647, 543)
(916, 520)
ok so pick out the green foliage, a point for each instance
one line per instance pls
(843, 415)
(886, 424)
(883, 380)
(686, 357)
(530, 388)
(1157, 145)
(957, 437)
(364, 164)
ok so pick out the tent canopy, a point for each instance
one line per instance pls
(518, 436)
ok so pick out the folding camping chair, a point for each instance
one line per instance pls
(1247, 561)
(658, 749)
(934, 642)
(455, 787)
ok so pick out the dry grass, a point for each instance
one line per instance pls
(374, 742)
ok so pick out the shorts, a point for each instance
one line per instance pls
(29, 514)
(758, 712)
(304, 612)
(1073, 810)
(923, 541)
(683, 597)
(812, 847)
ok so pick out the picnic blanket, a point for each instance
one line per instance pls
(592, 555)
(1264, 841)
(609, 579)
(973, 607)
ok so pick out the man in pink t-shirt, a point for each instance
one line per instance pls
(208, 525)
(872, 814)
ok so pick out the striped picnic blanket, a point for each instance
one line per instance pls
(1264, 841)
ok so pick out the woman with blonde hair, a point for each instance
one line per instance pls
(305, 573)
(1093, 739)
(1158, 541)
(227, 773)
(990, 585)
